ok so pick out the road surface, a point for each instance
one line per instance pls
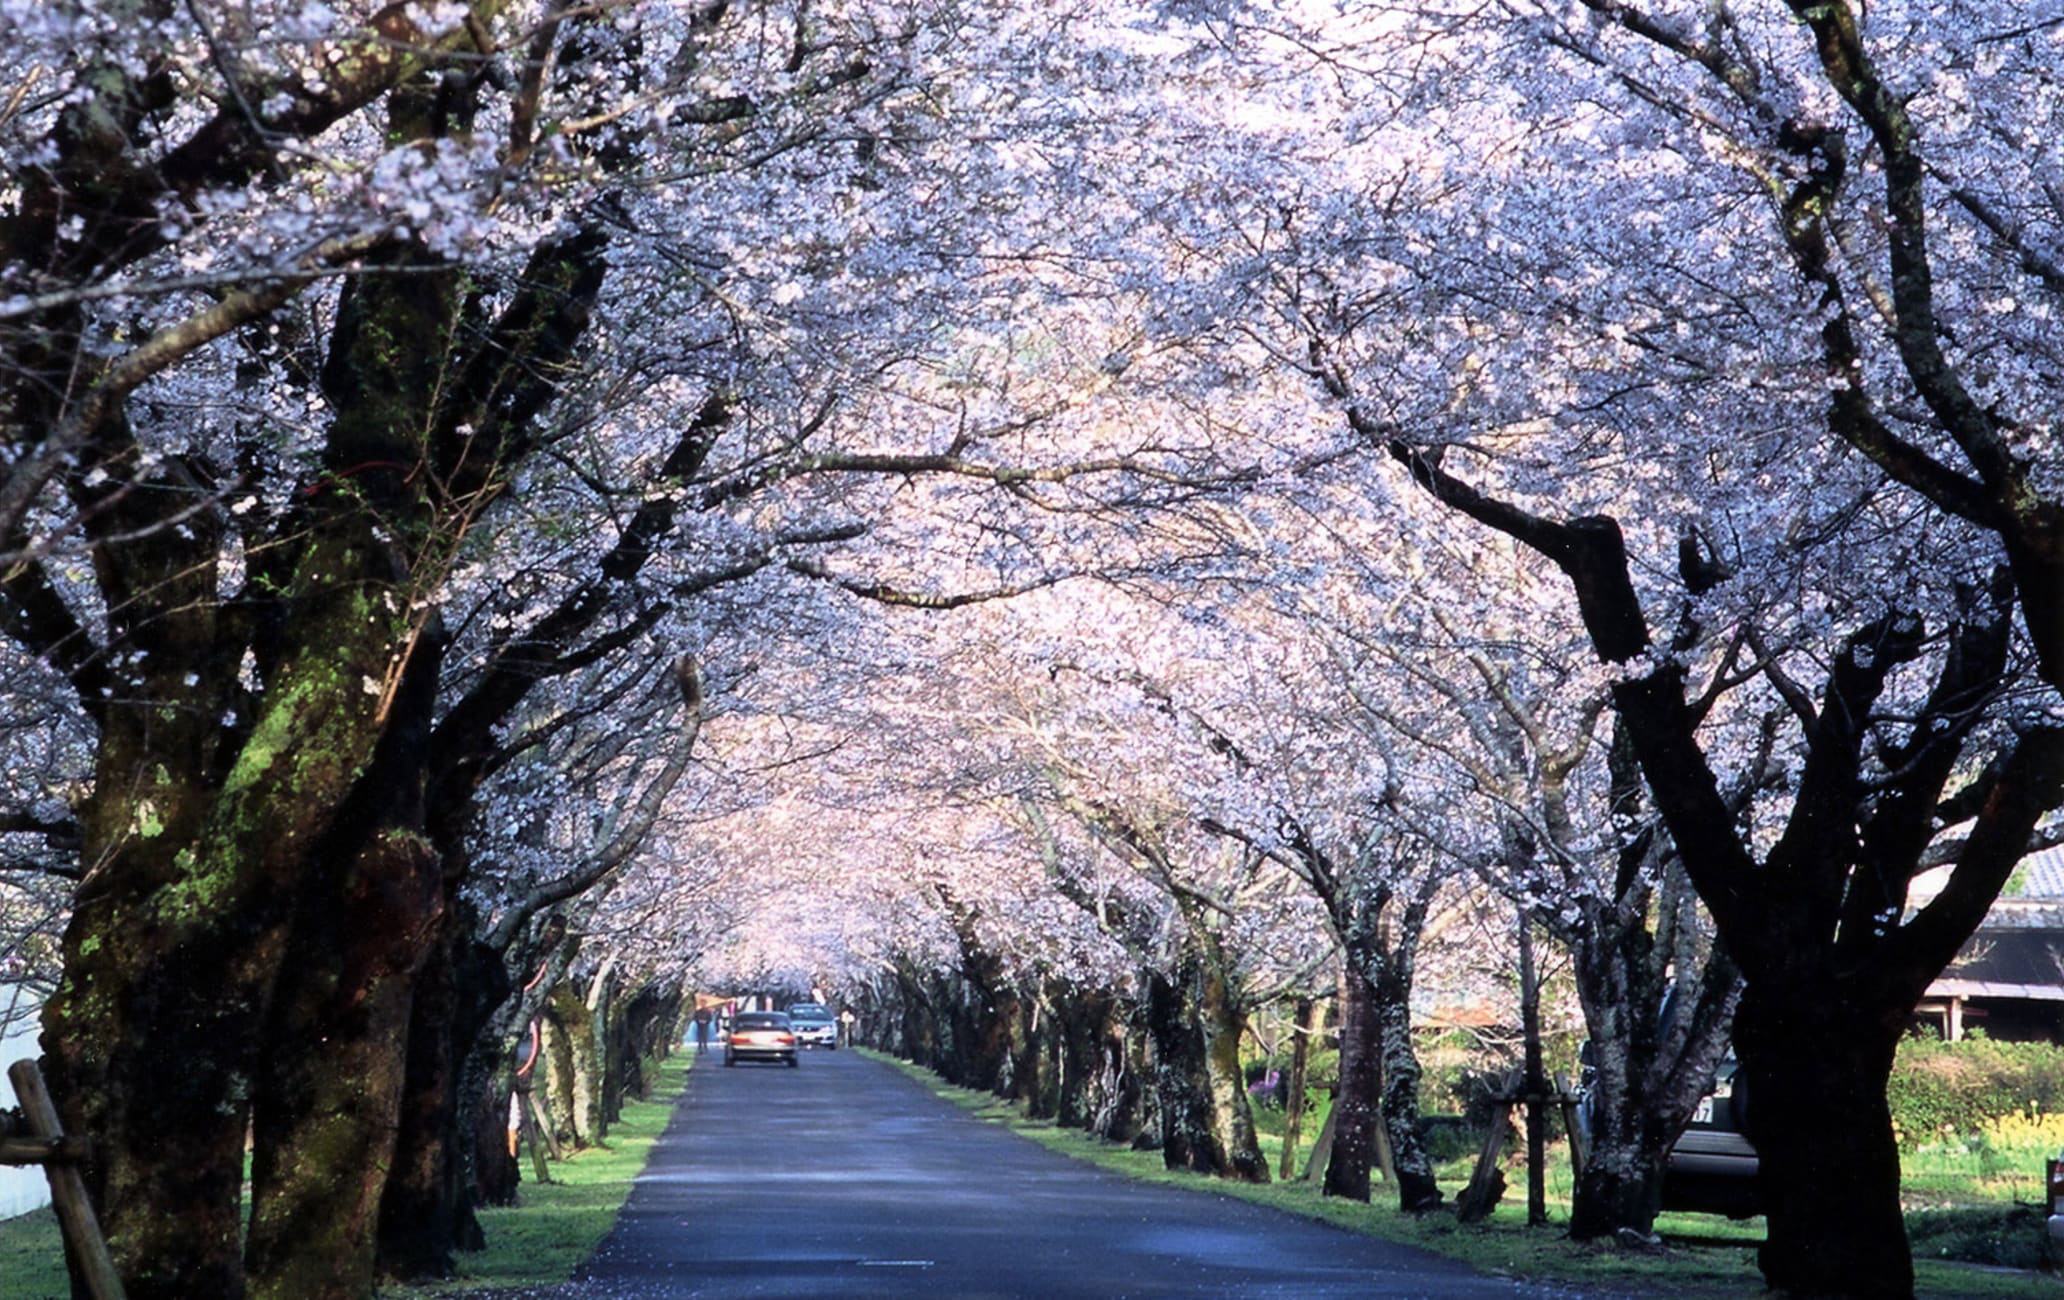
(846, 1178)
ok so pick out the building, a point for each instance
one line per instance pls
(21, 1188)
(2009, 979)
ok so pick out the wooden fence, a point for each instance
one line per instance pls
(32, 1136)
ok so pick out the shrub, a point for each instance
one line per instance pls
(2000, 1236)
(1940, 1092)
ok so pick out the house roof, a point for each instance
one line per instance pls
(2018, 952)
(2041, 877)
(2018, 956)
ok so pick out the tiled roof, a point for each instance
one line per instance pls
(2020, 956)
(2042, 875)
(2025, 914)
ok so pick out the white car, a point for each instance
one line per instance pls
(814, 1025)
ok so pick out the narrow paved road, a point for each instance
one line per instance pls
(846, 1178)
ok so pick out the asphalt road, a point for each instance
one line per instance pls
(846, 1178)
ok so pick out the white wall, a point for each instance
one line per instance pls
(21, 1188)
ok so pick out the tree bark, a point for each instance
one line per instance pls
(1206, 1125)
(554, 1081)
(324, 1126)
(172, 957)
(1411, 1162)
(1303, 1027)
(1814, 1073)
(1357, 1109)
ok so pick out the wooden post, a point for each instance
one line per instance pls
(1322, 1146)
(541, 1124)
(1386, 1163)
(1579, 1144)
(1487, 1185)
(525, 1113)
(67, 1186)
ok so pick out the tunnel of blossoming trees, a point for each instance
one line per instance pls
(1073, 531)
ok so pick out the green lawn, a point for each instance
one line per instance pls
(540, 1241)
(536, 1243)
(32, 1258)
(1504, 1245)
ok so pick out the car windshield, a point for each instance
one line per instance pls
(761, 1020)
(808, 1013)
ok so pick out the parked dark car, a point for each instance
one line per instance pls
(814, 1025)
(760, 1036)
(1713, 1167)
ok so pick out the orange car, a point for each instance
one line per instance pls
(760, 1036)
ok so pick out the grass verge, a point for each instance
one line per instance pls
(540, 1241)
(1504, 1246)
(32, 1258)
(537, 1243)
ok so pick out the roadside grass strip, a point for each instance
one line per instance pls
(542, 1239)
(32, 1258)
(1503, 1246)
(536, 1243)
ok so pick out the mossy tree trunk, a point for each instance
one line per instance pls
(563, 1080)
(426, 1212)
(1207, 1125)
(171, 958)
(215, 825)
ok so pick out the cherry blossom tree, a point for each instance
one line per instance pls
(1843, 532)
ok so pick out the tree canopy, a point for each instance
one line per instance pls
(1131, 498)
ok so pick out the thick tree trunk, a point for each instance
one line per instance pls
(1081, 1018)
(1035, 1078)
(1356, 1108)
(644, 1035)
(144, 1060)
(1621, 1182)
(605, 1009)
(1410, 1162)
(1129, 1114)
(1813, 1071)
(328, 1089)
(1206, 1126)
(580, 1058)
(1232, 1113)
(493, 1173)
(1646, 1078)
(919, 1020)
(152, 1038)
(324, 1124)
(427, 1211)
(1182, 1092)
(554, 1080)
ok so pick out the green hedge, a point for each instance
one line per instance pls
(1938, 1087)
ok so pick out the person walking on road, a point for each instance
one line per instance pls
(702, 1023)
